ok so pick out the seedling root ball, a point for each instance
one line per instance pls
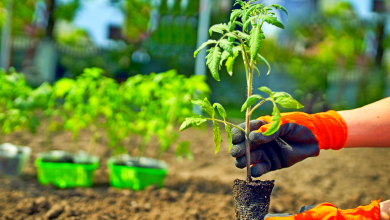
(252, 199)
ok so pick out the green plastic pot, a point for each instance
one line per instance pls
(66, 175)
(137, 174)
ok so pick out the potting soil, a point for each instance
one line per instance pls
(252, 199)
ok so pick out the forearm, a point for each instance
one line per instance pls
(368, 126)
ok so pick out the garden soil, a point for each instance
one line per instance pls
(197, 189)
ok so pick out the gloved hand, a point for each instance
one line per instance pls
(300, 136)
(327, 211)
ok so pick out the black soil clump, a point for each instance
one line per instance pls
(252, 199)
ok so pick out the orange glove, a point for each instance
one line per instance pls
(329, 127)
(327, 211)
(300, 136)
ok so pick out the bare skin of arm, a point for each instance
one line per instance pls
(368, 126)
(385, 210)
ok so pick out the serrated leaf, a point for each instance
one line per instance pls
(261, 58)
(227, 46)
(232, 26)
(267, 90)
(246, 24)
(218, 28)
(270, 19)
(243, 35)
(205, 105)
(203, 46)
(239, 2)
(255, 40)
(286, 100)
(217, 137)
(251, 101)
(193, 121)
(247, 13)
(235, 13)
(279, 7)
(225, 55)
(230, 63)
(212, 60)
(229, 135)
(220, 109)
(276, 122)
(238, 23)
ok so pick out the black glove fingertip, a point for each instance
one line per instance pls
(238, 150)
(260, 168)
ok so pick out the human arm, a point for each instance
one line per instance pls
(304, 135)
(368, 126)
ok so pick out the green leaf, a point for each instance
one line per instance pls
(204, 45)
(205, 105)
(243, 35)
(235, 13)
(220, 109)
(272, 20)
(279, 7)
(265, 62)
(247, 13)
(246, 23)
(267, 90)
(258, 71)
(227, 46)
(225, 55)
(193, 121)
(230, 63)
(212, 60)
(286, 100)
(240, 2)
(251, 101)
(255, 40)
(217, 137)
(218, 28)
(238, 23)
(229, 135)
(276, 122)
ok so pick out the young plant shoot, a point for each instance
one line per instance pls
(247, 43)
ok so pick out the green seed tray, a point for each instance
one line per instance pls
(135, 178)
(65, 175)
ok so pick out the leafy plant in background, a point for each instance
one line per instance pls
(85, 101)
(247, 43)
(159, 101)
(16, 107)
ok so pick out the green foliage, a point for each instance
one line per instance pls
(217, 137)
(251, 101)
(213, 61)
(248, 42)
(192, 121)
(145, 105)
(220, 109)
(16, 105)
(228, 130)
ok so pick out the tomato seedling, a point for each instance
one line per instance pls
(247, 43)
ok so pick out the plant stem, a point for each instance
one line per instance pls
(260, 103)
(92, 142)
(211, 119)
(247, 128)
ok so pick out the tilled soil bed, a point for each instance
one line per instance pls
(198, 189)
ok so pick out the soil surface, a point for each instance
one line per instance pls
(197, 189)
